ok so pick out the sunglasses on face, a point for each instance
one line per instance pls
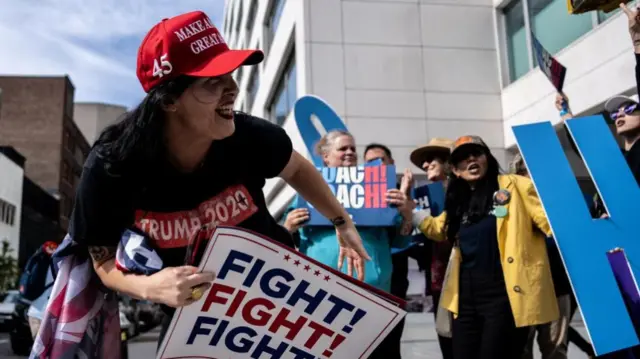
(465, 153)
(628, 110)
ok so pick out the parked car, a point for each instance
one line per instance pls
(7, 306)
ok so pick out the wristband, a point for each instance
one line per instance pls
(563, 112)
(338, 221)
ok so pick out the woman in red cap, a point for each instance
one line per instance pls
(183, 159)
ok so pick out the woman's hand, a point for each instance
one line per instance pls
(404, 203)
(405, 184)
(173, 286)
(296, 219)
(348, 234)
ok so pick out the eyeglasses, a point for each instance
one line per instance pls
(628, 110)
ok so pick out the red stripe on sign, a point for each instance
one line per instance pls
(173, 229)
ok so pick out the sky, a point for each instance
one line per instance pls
(94, 42)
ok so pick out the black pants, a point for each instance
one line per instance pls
(485, 328)
(446, 344)
(390, 346)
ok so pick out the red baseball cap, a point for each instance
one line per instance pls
(188, 44)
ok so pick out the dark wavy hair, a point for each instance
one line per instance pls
(460, 199)
(137, 139)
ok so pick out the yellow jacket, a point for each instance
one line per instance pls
(523, 254)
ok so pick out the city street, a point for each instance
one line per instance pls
(419, 341)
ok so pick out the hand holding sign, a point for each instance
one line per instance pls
(173, 286)
(296, 219)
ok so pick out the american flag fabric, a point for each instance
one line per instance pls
(82, 319)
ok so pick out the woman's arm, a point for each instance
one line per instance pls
(104, 263)
(533, 205)
(304, 177)
(432, 227)
(171, 286)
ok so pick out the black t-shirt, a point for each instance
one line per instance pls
(168, 205)
(479, 246)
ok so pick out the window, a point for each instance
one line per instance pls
(544, 17)
(7, 213)
(253, 8)
(274, 20)
(516, 39)
(254, 83)
(285, 95)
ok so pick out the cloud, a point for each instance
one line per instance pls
(94, 42)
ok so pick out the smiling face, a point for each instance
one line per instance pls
(205, 109)
(341, 152)
(470, 163)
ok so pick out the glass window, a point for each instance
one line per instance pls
(254, 83)
(285, 95)
(516, 38)
(274, 19)
(546, 15)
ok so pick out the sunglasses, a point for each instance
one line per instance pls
(465, 153)
(628, 110)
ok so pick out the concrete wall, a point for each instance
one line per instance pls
(11, 183)
(92, 118)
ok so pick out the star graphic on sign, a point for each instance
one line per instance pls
(316, 273)
(287, 257)
(243, 200)
(296, 262)
(307, 267)
(326, 277)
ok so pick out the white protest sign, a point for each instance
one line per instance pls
(269, 301)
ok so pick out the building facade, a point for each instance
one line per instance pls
(92, 118)
(36, 119)
(11, 183)
(402, 72)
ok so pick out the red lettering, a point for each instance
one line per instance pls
(235, 304)
(212, 297)
(318, 332)
(281, 321)
(382, 194)
(262, 317)
(371, 174)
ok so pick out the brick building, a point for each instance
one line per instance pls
(36, 118)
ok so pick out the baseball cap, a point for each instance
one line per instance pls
(188, 44)
(613, 104)
(463, 142)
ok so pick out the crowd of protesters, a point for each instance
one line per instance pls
(492, 266)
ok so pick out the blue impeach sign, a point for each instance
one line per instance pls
(360, 189)
(584, 242)
(362, 192)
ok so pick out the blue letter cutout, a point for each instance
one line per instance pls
(584, 242)
(308, 106)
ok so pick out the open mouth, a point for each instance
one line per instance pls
(620, 123)
(473, 168)
(225, 111)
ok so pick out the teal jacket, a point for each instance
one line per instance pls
(321, 244)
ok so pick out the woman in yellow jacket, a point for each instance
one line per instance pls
(500, 280)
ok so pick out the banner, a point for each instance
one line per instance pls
(585, 243)
(362, 192)
(428, 197)
(270, 301)
(554, 70)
